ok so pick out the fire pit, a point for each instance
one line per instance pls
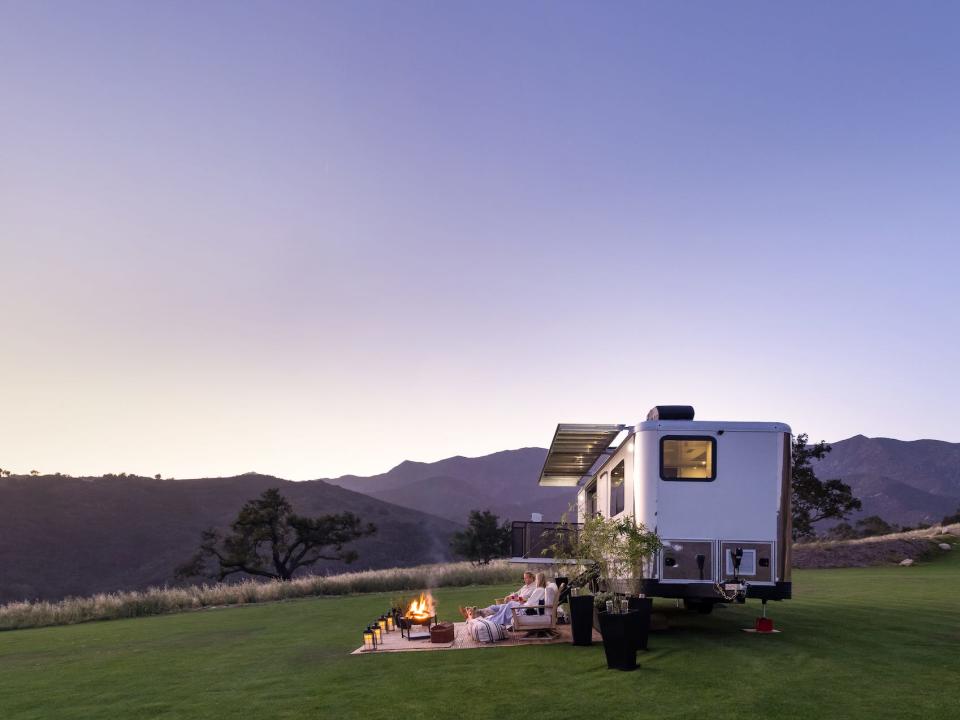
(421, 613)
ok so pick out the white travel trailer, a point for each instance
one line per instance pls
(717, 493)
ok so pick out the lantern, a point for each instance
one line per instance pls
(377, 634)
(382, 622)
(390, 626)
(369, 639)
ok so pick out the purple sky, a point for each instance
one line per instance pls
(318, 238)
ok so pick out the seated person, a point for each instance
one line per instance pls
(518, 597)
(503, 613)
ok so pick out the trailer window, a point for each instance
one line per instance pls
(688, 458)
(616, 489)
(590, 504)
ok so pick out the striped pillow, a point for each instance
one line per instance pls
(486, 631)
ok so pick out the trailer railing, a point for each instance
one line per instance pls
(540, 541)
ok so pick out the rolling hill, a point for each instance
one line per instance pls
(904, 482)
(64, 536)
(61, 536)
(504, 482)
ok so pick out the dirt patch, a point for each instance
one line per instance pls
(881, 550)
(861, 554)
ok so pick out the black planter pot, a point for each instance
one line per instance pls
(644, 608)
(620, 632)
(581, 619)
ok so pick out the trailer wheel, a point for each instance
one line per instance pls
(704, 607)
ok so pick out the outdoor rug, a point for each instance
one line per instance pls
(392, 642)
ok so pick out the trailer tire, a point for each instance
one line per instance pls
(704, 607)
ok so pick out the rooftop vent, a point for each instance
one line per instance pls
(671, 412)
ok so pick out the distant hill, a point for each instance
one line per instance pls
(904, 482)
(504, 482)
(61, 536)
(74, 536)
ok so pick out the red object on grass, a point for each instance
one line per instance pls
(763, 624)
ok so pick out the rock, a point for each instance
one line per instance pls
(907, 563)
(945, 546)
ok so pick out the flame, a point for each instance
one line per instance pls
(421, 608)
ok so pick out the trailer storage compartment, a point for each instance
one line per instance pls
(688, 560)
(756, 561)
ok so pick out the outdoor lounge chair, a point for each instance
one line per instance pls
(543, 621)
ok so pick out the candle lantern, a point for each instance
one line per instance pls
(377, 636)
(369, 640)
(382, 622)
(390, 625)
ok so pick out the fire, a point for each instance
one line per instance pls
(421, 608)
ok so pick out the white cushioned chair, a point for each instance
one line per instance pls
(542, 623)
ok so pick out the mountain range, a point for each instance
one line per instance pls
(64, 536)
(504, 482)
(904, 482)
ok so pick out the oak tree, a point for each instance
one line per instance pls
(814, 499)
(269, 540)
(484, 538)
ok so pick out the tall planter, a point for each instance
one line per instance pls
(581, 619)
(620, 631)
(644, 608)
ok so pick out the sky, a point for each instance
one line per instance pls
(318, 238)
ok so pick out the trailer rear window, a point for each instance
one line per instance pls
(688, 458)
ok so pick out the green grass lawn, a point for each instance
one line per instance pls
(871, 643)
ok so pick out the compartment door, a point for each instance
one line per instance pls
(688, 561)
(756, 565)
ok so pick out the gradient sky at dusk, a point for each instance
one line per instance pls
(318, 238)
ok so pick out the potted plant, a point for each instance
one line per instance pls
(566, 547)
(614, 553)
(622, 548)
(634, 549)
(581, 601)
(619, 627)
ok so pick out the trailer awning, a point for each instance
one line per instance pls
(574, 450)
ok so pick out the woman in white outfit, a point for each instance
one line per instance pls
(503, 614)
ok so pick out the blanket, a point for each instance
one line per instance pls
(486, 631)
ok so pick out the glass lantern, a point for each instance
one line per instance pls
(377, 634)
(369, 639)
(390, 625)
(382, 622)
